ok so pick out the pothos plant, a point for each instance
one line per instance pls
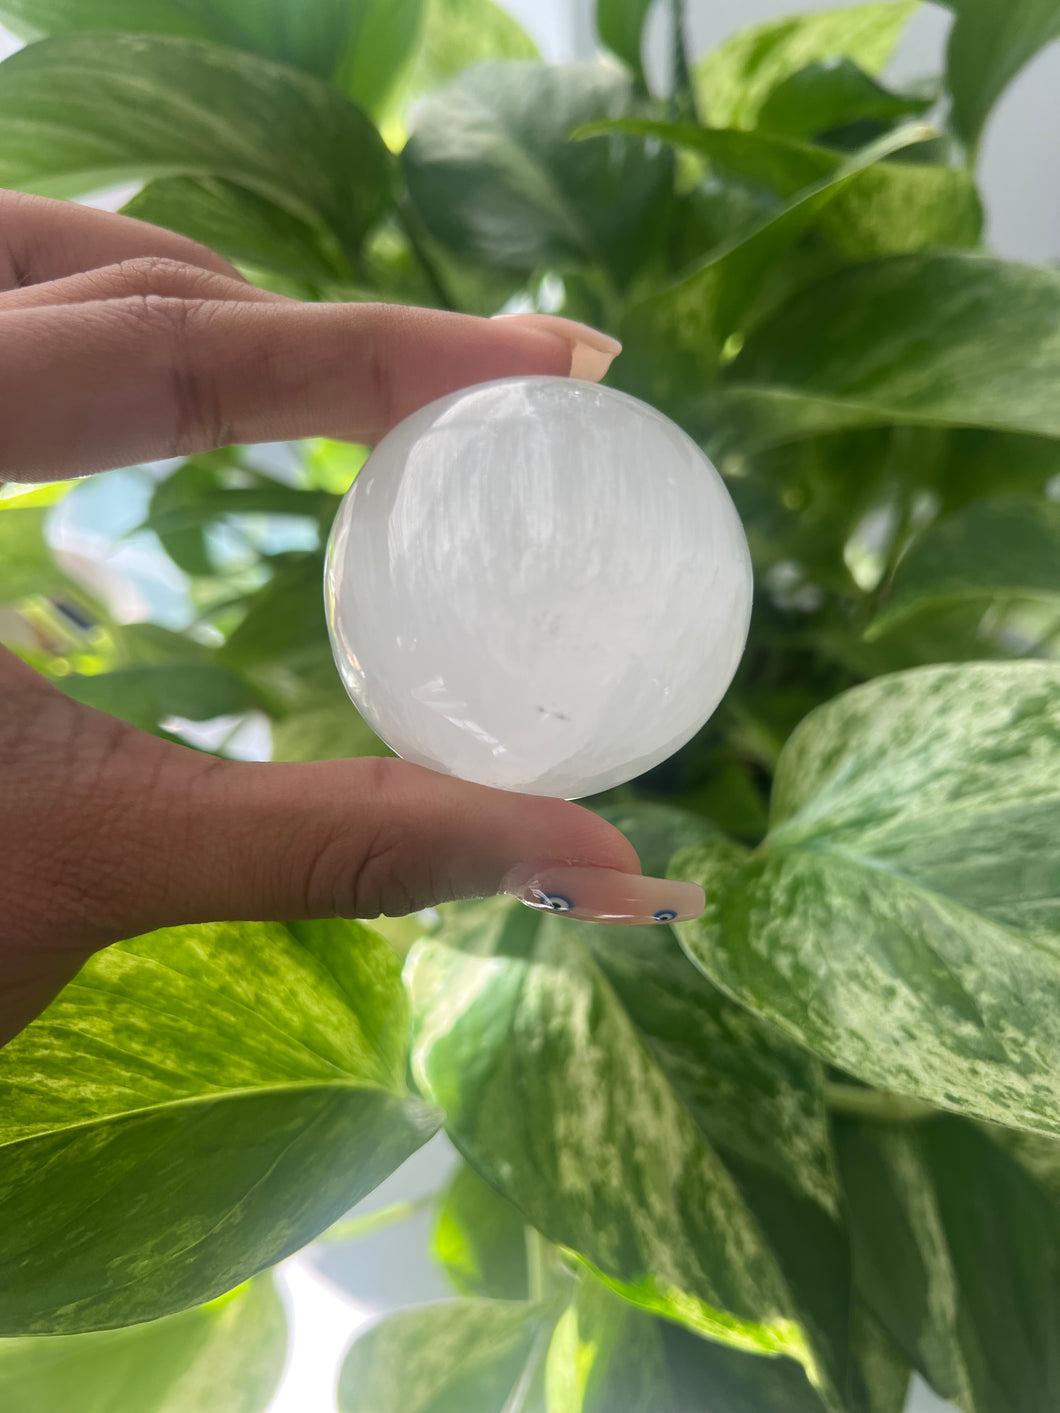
(770, 1161)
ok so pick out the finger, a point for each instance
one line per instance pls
(110, 383)
(360, 838)
(146, 274)
(42, 239)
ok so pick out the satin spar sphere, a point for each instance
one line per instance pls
(537, 584)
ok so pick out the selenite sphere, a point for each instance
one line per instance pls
(537, 584)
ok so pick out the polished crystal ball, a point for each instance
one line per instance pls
(537, 584)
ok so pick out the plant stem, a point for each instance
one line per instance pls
(409, 224)
(875, 1104)
(681, 90)
(538, 1259)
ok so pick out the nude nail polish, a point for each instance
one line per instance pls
(592, 352)
(605, 895)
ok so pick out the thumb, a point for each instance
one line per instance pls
(370, 836)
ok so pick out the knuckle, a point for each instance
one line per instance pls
(145, 272)
(199, 423)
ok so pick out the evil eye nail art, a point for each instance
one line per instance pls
(664, 915)
(558, 903)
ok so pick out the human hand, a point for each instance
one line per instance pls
(121, 342)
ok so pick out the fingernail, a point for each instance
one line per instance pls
(592, 352)
(605, 894)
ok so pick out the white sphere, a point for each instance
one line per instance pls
(537, 584)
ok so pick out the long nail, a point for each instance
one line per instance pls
(592, 352)
(605, 894)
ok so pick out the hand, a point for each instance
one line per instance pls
(121, 342)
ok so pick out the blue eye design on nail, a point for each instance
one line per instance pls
(558, 903)
(664, 915)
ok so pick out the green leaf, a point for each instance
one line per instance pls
(284, 621)
(480, 1240)
(144, 695)
(956, 1254)
(833, 93)
(493, 176)
(879, 208)
(901, 917)
(26, 564)
(989, 44)
(605, 1356)
(360, 45)
(930, 339)
(461, 1356)
(991, 549)
(735, 80)
(620, 24)
(80, 110)
(456, 34)
(241, 224)
(522, 1044)
(196, 1105)
(332, 732)
(673, 337)
(225, 1357)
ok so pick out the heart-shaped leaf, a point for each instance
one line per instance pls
(901, 918)
(80, 110)
(194, 1106)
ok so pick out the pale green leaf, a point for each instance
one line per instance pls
(360, 45)
(461, 1356)
(991, 549)
(328, 732)
(456, 34)
(901, 918)
(735, 79)
(494, 178)
(196, 1105)
(955, 1252)
(26, 564)
(80, 110)
(990, 42)
(551, 1093)
(928, 339)
(224, 1357)
(620, 24)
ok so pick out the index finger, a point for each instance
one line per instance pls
(42, 239)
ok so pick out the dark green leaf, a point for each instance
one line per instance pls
(990, 549)
(620, 24)
(360, 45)
(195, 1106)
(832, 93)
(673, 337)
(462, 1356)
(79, 110)
(495, 179)
(736, 78)
(480, 1239)
(225, 1357)
(284, 621)
(552, 1093)
(243, 225)
(956, 1252)
(144, 695)
(926, 339)
(901, 917)
(989, 43)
